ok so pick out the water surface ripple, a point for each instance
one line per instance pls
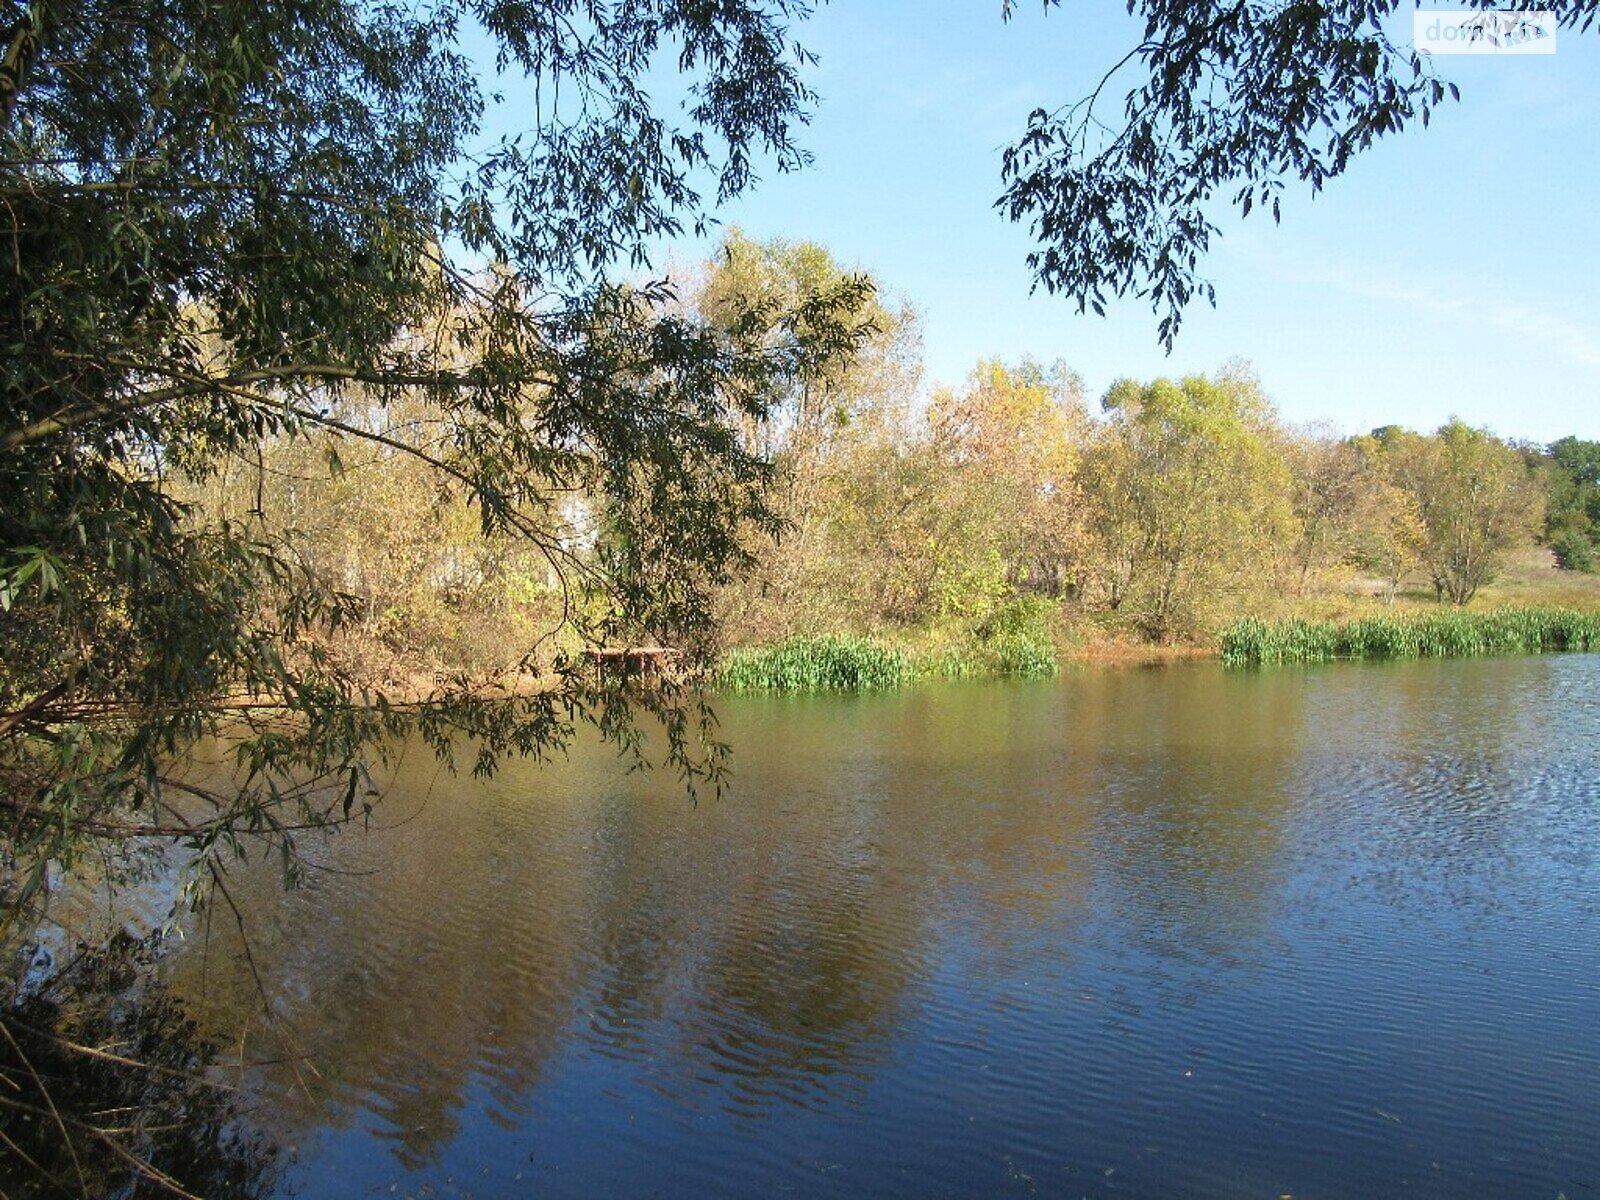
(1146, 933)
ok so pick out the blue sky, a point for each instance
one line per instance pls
(1454, 270)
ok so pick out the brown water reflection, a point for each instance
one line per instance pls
(931, 934)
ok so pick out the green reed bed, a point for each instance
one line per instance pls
(1448, 634)
(1022, 656)
(854, 664)
(819, 664)
(1007, 655)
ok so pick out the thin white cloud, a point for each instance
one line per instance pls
(1519, 324)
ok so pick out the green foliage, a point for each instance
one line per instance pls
(1475, 499)
(823, 664)
(1017, 639)
(1187, 504)
(813, 425)
(1572, 521)
(1454, 634)
(237, 232)
(1574, 551)
(299, 365)
(1007, 656)
(1188, 495)
(1578, 458)
(1015, 642)
(1023, 656)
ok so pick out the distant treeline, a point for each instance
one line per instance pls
(984, 523)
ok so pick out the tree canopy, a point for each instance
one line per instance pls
(1187, 494)
(1475, 498)
(1573, 519)
(230, 226)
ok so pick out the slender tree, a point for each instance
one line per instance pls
(1188, 498)
(1475, 499)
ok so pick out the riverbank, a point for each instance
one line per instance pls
(850, 663)
(857, 663)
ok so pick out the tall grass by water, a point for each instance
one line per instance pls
(816, 664)
(1450, 634)
(856, 664)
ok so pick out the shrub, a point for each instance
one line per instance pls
(1574, 551)
(1016, 639)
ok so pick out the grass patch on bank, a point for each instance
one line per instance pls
(857, 664)
(815, 664)
(1450, 634)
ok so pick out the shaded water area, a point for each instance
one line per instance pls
(1163, 933)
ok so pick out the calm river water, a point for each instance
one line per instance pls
(1175, 932)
